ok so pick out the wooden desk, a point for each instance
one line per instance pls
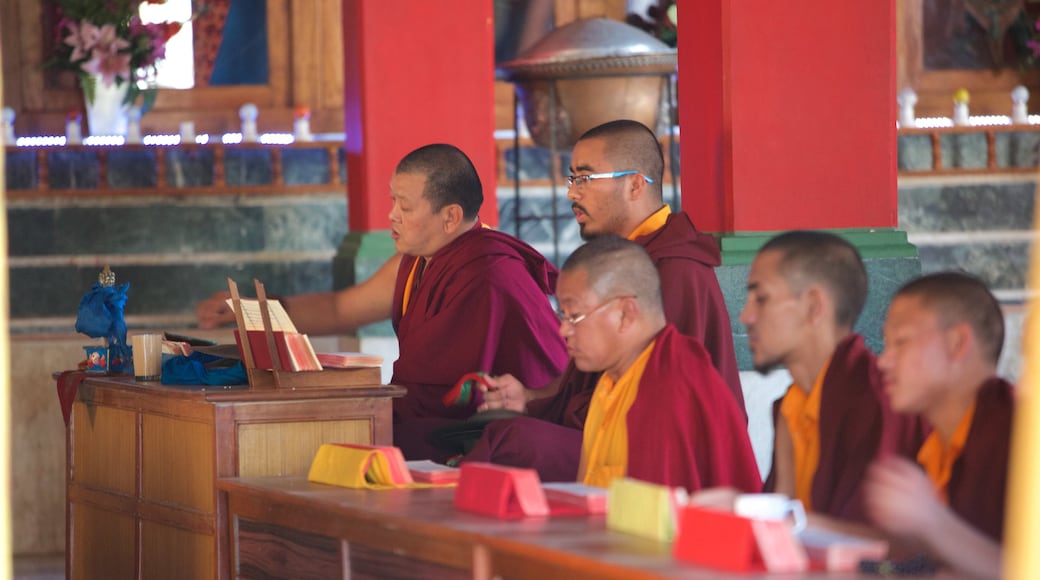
(290, 528)
(143, 460)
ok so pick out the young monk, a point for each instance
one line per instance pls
(943, 338)
(660, 411)
(805, 291)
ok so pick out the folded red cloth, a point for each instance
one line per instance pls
(68, 384)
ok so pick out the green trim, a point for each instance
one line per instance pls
(740, 247)
(374, 244)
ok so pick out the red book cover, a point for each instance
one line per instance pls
(294, 351)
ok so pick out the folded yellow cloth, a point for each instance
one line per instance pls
(363, 467)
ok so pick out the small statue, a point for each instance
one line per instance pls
(1020, 105)
(248, 114)
(133, 130)
(73, 132)
(302, 124)
(101, 316)
(8, 123)
(960, 108)
(907, 99)
(187, 132)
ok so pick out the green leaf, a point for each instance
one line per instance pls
(148, 99)
(89, 84)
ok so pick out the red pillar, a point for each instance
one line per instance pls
(787, 114)
(416, 72)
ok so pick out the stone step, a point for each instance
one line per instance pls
(966, 205)
(178, 251)
(1002, 263)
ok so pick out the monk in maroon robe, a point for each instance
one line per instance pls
(465, 299)
(549, 439)
(943, 338)
(480, 305)
(805, 291)
(660, 411)
(682, 428)
(856, 425)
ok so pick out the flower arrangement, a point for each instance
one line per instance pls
(106, 41)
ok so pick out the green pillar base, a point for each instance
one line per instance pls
(890, 259)
(359, 255)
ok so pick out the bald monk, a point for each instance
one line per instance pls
(805, 291)
(615, 188)
(660, 411)
(943, 338)
(462, 298)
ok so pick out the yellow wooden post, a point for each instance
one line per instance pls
(1022, 525)
(5, 384)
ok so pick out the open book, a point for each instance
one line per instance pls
(348, 360)
(295, 351)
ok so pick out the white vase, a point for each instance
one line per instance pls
(109, 113)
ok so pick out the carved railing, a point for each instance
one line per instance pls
(185, 169)
(968, 150)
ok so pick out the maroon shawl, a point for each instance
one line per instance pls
(978, 482)
(693, 303)
(481, 305)
(684, 428)
(856, 425)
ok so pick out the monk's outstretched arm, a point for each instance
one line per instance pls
(343, 311)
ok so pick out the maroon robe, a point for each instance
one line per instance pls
(685, 259)
(684, 428)
(480, 305)
(978, 481)
(856, 426)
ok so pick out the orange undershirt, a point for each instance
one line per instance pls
(653, 223)
(410, 284)
(938, 459)
(604, 444)
(801, 412)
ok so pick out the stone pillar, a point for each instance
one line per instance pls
(415, 72)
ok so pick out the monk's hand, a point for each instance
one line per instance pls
(214, 312)
(503, 392)
(900, 498)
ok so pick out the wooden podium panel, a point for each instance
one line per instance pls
(143, 460)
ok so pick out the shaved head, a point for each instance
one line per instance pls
(618, 267)
(632, 145)
(812, 257)
(956, 297)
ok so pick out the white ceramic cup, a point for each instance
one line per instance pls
(771, 506)
(147, 349)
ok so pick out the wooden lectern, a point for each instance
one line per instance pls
(279, 377)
